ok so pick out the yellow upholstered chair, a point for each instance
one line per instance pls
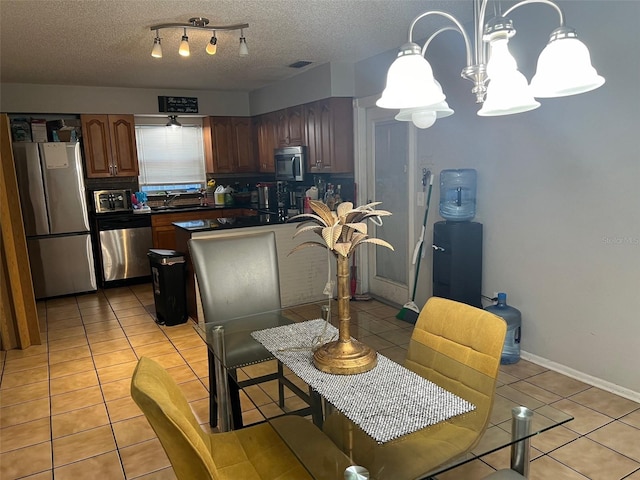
(472, 339)
(255, 452)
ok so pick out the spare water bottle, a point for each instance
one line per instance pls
(458, 194)
(511, 349)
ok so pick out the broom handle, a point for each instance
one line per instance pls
(424, 227)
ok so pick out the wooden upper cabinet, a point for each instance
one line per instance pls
(329, 135)
(290, 126)
(123, 145)
(243, 144)
(109, 143)
(229, 144)
(266, 129)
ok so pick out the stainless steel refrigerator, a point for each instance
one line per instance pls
(54, 210)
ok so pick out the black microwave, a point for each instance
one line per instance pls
(290, 163)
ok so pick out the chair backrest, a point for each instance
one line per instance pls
(237, 275)
(468, 335)
(170, 416)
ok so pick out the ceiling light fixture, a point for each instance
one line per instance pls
(184, 45)
(212, 47)
(244, 50)
(564, 68)
(173, 122)
(198, 23)
(157, 47)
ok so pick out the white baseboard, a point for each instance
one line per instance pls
(583, 377)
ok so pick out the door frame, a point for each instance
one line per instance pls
(361, 105)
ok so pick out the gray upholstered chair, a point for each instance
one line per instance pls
(238, 276)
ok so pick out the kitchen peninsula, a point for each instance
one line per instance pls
(303, 275)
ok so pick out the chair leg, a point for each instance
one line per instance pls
(280, 385)
(234, 397)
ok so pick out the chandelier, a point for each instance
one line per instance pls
(564, 68)
(198, 23)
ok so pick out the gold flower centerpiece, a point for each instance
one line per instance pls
(342, 231)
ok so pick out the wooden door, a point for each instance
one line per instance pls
(96, 141)
(123, 145)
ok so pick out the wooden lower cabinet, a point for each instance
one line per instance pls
(164, 233)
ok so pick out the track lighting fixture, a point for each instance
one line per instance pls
(198, 23)
(564, 68)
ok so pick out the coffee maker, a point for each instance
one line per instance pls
(267, 196)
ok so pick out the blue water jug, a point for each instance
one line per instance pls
(511, 349)
(458, 194)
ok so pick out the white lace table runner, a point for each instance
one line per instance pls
(386, 402)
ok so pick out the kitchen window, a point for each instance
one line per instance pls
(170, 159)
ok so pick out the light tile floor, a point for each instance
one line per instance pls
(66, 413)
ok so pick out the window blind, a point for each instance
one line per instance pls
(170, 156)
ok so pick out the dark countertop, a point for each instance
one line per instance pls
(194, 208)
(230, 222)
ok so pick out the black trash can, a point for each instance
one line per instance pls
(169, 291)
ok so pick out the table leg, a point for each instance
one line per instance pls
(222, 381)
(520, 450)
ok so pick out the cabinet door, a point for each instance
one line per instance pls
(242, 141)
(96, 142)
(123, 145)
(221, 144)
(164, 237)
(267, 142)
(329, 133)
(341, 141)
(295, 118)
(290, 126)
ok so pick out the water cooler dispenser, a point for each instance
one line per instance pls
(457, 241)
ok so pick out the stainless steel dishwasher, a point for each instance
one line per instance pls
(124, 240)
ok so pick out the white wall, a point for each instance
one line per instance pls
(322, 81)
(31, 98)
(557, 192)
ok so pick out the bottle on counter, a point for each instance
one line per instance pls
(337, 198)
(329, 198)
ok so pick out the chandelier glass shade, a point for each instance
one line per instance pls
(198, 23)
(564, 68)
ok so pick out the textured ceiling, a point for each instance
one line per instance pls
(108, 42)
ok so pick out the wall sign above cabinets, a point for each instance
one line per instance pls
(177, 104)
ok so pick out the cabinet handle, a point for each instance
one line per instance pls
(437, 248)
(115, 170)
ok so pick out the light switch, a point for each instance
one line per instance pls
(420, 199)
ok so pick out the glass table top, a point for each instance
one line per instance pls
(486, 429)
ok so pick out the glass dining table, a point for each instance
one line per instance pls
(378, 417)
